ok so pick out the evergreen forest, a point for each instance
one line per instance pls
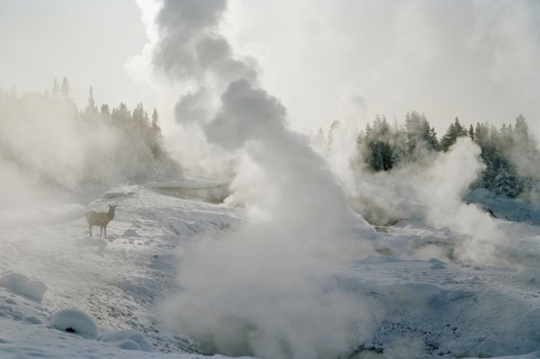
(47, 139)
(509, 153)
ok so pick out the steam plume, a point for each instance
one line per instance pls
(258, 289)
(441, 190)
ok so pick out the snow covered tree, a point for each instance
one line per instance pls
(91, 111)
(65, 88)
(155, 120)
(420, 136)
(524, 153)
(454, 131)
(121, 115)
(105, 112)
(132, 149)
(481, 133)
(506, 183)
(510, 153)
(489, 140)
(140, 117)
(381, 145)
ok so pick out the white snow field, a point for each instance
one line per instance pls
(65, 295)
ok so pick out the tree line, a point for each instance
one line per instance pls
(510, 153)
(46, 136)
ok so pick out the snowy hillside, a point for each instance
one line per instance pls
(118, 289)
(64, 295)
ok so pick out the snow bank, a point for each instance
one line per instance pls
(42, 215)
(503, 207)
(119, 193)
(206, 190)
(76, 322)
(128, 339)
(22, 285)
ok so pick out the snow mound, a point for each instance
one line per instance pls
(75, 321)
(129, 340)
(130, 233)
(22, 285)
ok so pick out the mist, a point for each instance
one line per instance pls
(43, 150)
(432, 191)
(53, 154)
(353, 60)
(257, 289)
(239, 96)
(309, 256)
(225, 65)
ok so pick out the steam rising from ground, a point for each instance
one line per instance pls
(46, 152)
(261, 288)
(257, 289)
(432, 192)
(442, 188)
(50, 152)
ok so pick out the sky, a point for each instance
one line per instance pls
(86, 41)
(324, 60)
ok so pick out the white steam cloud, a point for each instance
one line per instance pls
(45, 153)
(352, 60)
(257, 289)
(432, 191)
(441, 188)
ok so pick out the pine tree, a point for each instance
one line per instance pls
(521, 129)
(454, 131)
(91, 110)
(380, 145)
(420, 135)
(121, 115)
(506, 183)
(155, 120)
(471, 132)
(481, 133)
(105, 111)
(140, 117)
(524, 153)
(65, 89)
(155, 137)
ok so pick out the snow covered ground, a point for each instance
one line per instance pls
(116, 281)
(65, 295)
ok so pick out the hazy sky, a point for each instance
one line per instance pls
(325, 60)
(86, 40)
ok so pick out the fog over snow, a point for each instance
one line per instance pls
(235, 233)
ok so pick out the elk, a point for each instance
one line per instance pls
(100, 219)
